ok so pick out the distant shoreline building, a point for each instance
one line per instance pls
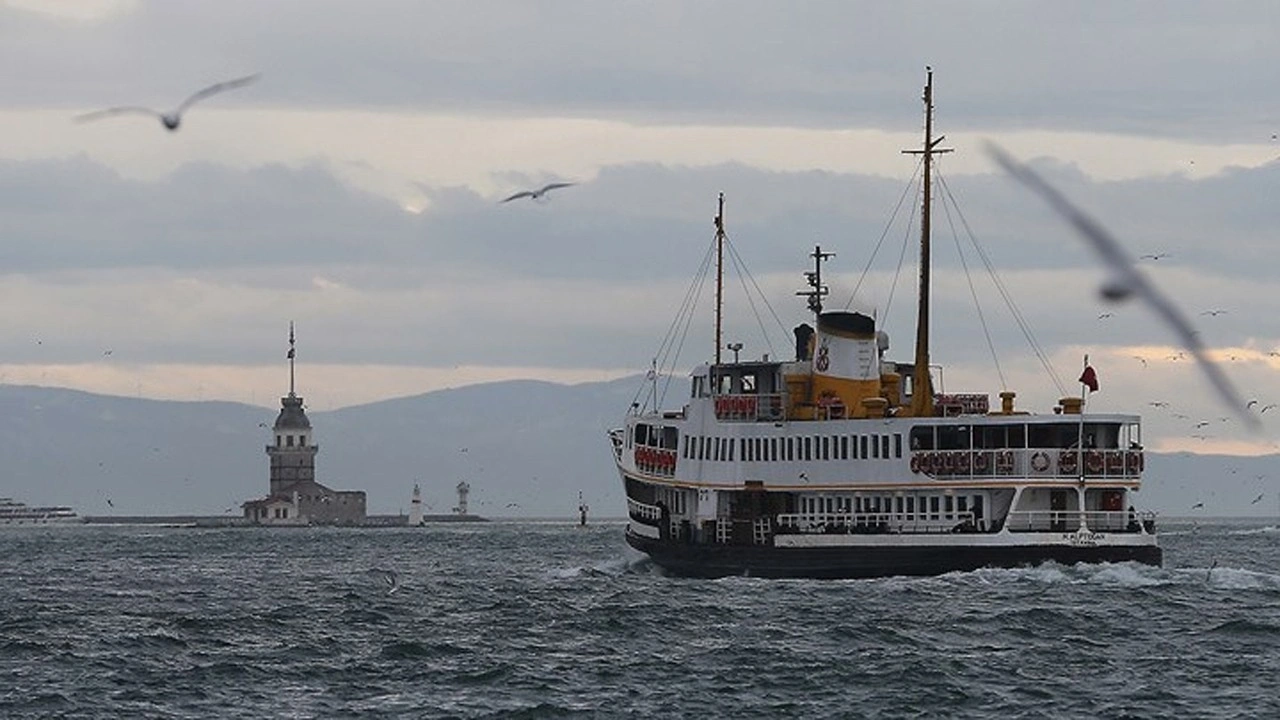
(294, 496)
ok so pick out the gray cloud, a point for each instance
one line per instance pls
(1184, 69)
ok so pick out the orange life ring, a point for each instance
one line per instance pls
(1039, 461)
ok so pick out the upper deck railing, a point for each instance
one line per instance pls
(1030, 462)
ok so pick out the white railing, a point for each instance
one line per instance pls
(876, 522)
(1069, 520)
(641, 511)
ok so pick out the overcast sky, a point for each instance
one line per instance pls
(354, 190)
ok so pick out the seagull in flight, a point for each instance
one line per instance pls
(1126, 280)
(1214, 313)
(1197, 505)
(1154, 256)
(537, 194)
(1104, 316)
(1257, 499)
(173, 118)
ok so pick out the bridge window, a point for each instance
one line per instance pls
(897, 445)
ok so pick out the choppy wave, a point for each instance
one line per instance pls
(550, 621)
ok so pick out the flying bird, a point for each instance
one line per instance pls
(1214, 313)
(1266, 408)
(1257, 500)
(1197, 505)
(1140, 359)
(1154, 256)
(1126, 280)
(172, 119)
(1104, 316)
(1251, 403)
(537, 194)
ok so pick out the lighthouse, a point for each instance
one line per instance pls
(415, 507)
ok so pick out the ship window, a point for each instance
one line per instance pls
(922, 438)
(743, 453)
(844, 447)
(962, 503)
(808, 449)
(288, 441)
(789, 448)
(897, 445)
(826, 448)
(911, 505)
(1017, 436)
(642, 434)
(947, 506)
(730, 448)
(685, 452)
(670, 436)
(773, 449)
(953, 437)
(875, 448)
(884, 446)
(897, 502)
(749, 383)
(933, 507)
(759, 448)
(864, 447)
(703, 449)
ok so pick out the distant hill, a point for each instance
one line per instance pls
(527, 448)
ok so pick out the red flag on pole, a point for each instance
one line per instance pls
(1089, 378)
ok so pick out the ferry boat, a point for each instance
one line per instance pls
(13, 512)
(843, 463)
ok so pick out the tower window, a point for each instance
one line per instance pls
(288, 440)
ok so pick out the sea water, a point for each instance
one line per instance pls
(549, 620)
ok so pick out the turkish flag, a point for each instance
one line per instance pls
(1089, 378)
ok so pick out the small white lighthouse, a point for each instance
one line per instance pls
(415, 507)
(464, 488)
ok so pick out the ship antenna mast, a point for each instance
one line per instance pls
(816, 290)
(921, 385)
(719, 273)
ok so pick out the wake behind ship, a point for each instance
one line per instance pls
(843, 463)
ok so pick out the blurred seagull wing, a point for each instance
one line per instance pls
(1114, 256)
(555, 186)
(518, 195)
(111, 112)
(215, 89)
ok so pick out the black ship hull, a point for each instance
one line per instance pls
(715, 560)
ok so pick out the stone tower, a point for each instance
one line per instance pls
(293, 456)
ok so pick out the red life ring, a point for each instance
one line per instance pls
(981, 461)
(1004, 461)
(915, 463)
(1039, 461)
(1068, 461)
(1093, 461)
(963, 462)
(1112, 500)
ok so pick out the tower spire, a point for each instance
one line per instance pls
(291, 356)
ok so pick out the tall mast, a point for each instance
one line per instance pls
(719, 273)
(921, 385)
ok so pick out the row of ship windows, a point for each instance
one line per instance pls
(931, 505)
(810, 447)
